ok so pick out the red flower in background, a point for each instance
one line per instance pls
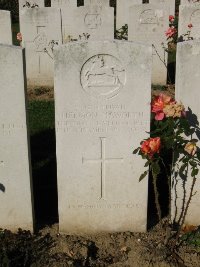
(171, 32)
(171, 18)
(19, 36)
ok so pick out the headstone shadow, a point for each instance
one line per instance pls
(43, 156)
(2, 188)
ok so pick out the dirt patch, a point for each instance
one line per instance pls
(40, 93)
(119, 250)
(47, 93)
(48, 248)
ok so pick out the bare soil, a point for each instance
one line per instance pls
(119, 250)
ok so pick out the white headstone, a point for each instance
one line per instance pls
(95, 21)
(170, 3)
(41, 32)
(15, 174)
(148, 24)
(30, 4)
(96, 2)
(189, 14)
(5, 27)
(102, 113)
(123, 11)
(64, 3)
(187, 91)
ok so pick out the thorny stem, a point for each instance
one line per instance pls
(163, 61)
(186, 209)
(184, 198)
(156, 196)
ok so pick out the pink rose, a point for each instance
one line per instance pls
(158, 104)
(171, 32)
(171, 18)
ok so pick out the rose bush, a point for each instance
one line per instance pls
(171, 134)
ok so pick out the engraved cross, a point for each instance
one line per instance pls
(103, 160)
(40, 42)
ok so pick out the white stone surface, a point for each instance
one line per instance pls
(93, 20)
(187, 91)
(30, 4)
(148, 24)
(5, 27)
(15, 174)
(40, 28)
(189, 14)
(170, 3)
(123, 11)
(102, 113)
(96, 2)
(64, 3)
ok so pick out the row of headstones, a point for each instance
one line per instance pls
(42, 31)
(121, 6)
(102, 95)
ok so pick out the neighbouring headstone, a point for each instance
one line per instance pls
(5, 27)
(64, 3)
(93, 21)
(170, 3)
(96, 2)
(102, 113)
(187, 91)
(189, 14)
(148, 24)
(15, 169)
(41, 32)
(123, 11)
(30, 4)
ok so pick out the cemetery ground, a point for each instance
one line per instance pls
(49, 248)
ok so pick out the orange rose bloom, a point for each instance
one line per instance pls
(151, 146)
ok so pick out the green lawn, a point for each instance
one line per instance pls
(15, 30)
(41, 116)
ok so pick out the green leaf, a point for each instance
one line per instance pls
(136, 150)
(194, 172)
(182, 168)
(192, 163)
(156, 168)
(146, 164)
(142, 176)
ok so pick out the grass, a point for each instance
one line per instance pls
(15, 30)
(41, 116)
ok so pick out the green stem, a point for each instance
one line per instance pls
(186, 209)
(156, 196)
